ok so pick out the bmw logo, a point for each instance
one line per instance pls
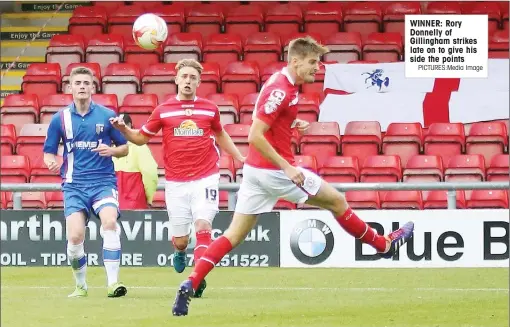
(312, 241)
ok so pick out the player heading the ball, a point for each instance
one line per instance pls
(191, 132)
(88, 177)
(270, 173)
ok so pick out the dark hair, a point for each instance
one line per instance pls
(127, 119)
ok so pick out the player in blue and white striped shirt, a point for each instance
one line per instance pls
(88, 177)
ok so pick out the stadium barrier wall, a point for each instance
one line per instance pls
(297, 238)
(450, 187)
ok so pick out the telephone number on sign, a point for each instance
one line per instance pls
(232, 260)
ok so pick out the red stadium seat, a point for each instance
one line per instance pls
(88, 21)
(465, 167)
(264, 48)
(404, 140)
(15, 165)
(159, 79)
(245, 20)
(338, 169)
(488, 199)
(361, 139)
(205, 19)
(156, 146)
(487, 139)
(383, 47)
(394, 15)
(7, 139)
(20, 109)
(241, 78)
(54, 200)
(121, 79)
(423, 168)
(41, 79)
(491, 9)
(307, 162)
(504, 14)
(239, 135)
(228, 104)
(498, 44)
(444, 140)
(323, 18)
(30, 142)
(172, 15)
(308, 106)
(227, 170)
(246, 107)
(39, 173)
(182, 46)
(222, 49)
(344, 47)
(438, 199)
(53, 103)
(210, 80)
(443, 8)
(498, 169)
(134, 54)
(105, 49)
(30, 200)
(108, 100)
(363, 199)
(363, 17)
(3, 200)
(270, 69)
(158, 202)
(321, 140)
(121, 20)
(381, 169)
(94, 67)
(409, 200)
(139, 107)
(284, 19)
(65, 49)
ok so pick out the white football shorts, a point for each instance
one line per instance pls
(261, 189)
(187, 202)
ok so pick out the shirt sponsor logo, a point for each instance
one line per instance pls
(273, 101)
(188, 128)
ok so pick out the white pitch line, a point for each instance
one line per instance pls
(348, 289)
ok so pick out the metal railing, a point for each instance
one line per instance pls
(450, 187)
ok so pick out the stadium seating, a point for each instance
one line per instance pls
(240, 45)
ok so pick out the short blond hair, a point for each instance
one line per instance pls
(189, 63)
(81, 71)
(304, 46)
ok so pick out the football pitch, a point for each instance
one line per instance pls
(262, 297)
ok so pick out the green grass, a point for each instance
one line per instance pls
(263, 297)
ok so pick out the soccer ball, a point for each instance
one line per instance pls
(149, 31)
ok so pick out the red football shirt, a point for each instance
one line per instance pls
(189, 144)
(276, 106)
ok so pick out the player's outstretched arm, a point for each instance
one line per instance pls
(226, 143)
(132, 135)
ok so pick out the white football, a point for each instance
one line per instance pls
(149, 31)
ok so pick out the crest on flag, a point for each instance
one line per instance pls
(376, 78)
(99, 128)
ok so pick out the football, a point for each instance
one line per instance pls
(149, 31)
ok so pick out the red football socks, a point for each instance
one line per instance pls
(203, 241)
(361, 230)
(214, 253)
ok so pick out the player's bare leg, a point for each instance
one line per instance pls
(238, 230)
(111, 250)
(330, 199)
(75, 226)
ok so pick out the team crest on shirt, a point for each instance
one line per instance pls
(188, 112)
(273, 101)
(99, 128)
(188, 128)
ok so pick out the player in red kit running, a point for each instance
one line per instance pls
(191, 128)
(269, 172)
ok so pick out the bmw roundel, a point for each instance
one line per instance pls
(311, 241)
